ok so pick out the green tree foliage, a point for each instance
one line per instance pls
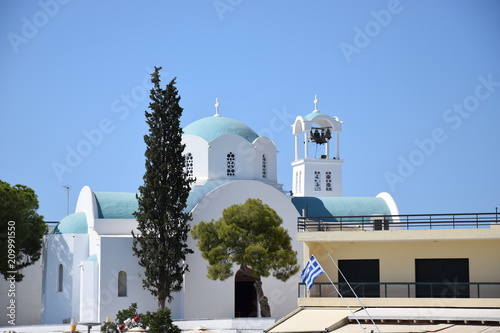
(161, 245)
(21, 229)
(250, 235)
(160, 322)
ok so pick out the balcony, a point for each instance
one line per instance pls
(405, 290)
(398, 222)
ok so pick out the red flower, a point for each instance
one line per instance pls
(121, 327)
(136, 319)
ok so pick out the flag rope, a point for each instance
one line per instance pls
(345, 302)
(355, 295)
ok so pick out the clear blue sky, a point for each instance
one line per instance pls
(417, 84)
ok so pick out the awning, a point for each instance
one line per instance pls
(416, 328)
(312, 320)
(390, 320)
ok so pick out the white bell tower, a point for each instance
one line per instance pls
(316, 171)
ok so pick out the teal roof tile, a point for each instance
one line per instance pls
(116, 205)
(340, 206)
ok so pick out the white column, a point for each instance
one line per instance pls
(297, 146)
(337, 146)
(306, 144)
(327, 149)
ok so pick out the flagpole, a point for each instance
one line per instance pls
(345, 302)
(362, 305)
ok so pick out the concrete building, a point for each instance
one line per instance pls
(432, 272)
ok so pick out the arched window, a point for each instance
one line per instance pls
(189, 164)
(60, 272)
(122, 284)
(317, 181)
(231, 164)
(264, 166)
(328, 180)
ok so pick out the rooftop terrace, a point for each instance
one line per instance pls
(398, 222)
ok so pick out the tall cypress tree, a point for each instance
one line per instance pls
(163, 225)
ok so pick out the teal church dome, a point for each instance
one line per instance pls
(72, 224)
(210, 128)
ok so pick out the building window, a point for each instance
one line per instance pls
(230, 164)
(362, 274)
(60, 272)
(328, 180)
(317, 181)
(122, 284)
(442, 278)
(264, 166)
(189, 164)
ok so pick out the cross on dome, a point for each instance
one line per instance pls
(217, 104)
(316, 100)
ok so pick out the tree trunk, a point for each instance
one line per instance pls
(161, 303)
(265, 309)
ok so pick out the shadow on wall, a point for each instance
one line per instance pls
(58, 275)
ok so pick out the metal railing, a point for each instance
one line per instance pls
(404, 222)
(405, 289)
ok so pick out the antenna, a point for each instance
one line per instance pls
(67, 187)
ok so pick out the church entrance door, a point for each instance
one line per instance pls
(245, 296)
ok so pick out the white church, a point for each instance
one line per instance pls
(90, 273)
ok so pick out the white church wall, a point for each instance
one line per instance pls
(243, 153)
(205, 298)
(198, 147)
(94, 244)
(61, 299)
(304, 177)
(298, 178)
(116, 256)
(86, 203)
(115, 226)
(264, 146)
(89, 289)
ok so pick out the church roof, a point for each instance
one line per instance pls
(119, 205)
(115, 205)
(75, 223)
(341, 206)
(210, 128)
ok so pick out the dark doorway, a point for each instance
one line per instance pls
(364, 271)
(381, 223)
(442, 278)
(245, 296)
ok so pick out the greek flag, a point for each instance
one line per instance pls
(312, 270)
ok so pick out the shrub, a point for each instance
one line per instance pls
(157, 322)
(160, 322)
